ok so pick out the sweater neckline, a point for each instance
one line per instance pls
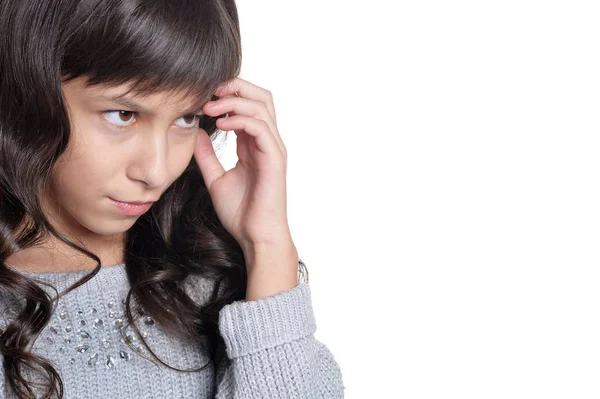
(74, 272)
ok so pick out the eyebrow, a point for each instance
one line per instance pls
(130, 103)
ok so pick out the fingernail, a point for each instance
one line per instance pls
(211, 103)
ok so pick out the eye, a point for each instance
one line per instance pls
(121, 119)
(193, 122)
(119, 115)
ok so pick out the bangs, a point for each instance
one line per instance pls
(189, 47)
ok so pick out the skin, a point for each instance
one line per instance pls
(133, 164)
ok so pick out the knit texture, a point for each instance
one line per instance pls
(270, 344)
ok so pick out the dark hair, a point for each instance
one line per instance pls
(157, 45)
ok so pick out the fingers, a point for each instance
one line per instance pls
(254, 101)
(251, 112)
(258, 129)
(248, 90)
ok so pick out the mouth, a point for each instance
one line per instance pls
(135, 202)
(132, 208)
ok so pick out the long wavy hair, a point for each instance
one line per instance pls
(189, 45)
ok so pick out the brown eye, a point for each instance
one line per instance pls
(123, 116)
(119, 119)
(190, 121)
(190, 118)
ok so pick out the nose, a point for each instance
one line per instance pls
(150, 165)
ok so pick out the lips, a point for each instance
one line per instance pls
(134, 202)
(132, 209)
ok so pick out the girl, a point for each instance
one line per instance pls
(131, 264)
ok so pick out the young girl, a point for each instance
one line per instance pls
(131, 264)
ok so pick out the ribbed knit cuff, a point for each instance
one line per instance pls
(251, 326)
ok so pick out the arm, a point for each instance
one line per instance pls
(272, 351)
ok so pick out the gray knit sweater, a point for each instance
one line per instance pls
(271, 348)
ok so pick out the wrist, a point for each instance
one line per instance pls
(271, 269)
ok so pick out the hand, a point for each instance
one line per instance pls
(250, 199)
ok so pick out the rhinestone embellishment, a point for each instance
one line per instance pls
(97, 341)
(82, 348)
(93, 359)
(109, 362)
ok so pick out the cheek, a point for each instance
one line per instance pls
(180, 157)
(86, 162)
(80, 178)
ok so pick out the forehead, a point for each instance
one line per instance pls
(180, 98)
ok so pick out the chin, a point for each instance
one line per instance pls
(110, 228)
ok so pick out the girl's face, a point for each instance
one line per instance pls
(127, 156)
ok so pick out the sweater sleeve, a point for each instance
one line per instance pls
(272, 351)
(3, 324)
(2, 377)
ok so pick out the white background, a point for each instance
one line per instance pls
(442, 188)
